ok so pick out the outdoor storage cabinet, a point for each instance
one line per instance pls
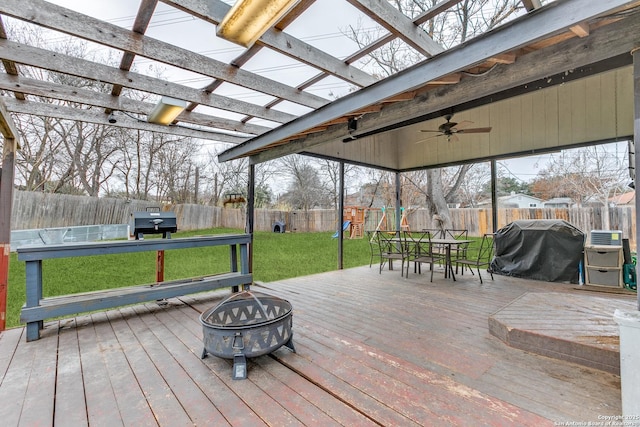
(603, 265)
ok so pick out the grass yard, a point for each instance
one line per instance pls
(276, 256)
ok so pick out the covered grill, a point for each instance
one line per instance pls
(152, 221)
(247, 324)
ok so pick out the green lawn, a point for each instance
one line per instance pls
(276, 256)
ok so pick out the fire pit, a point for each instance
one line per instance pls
(246, 324)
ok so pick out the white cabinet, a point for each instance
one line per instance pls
(603, 265)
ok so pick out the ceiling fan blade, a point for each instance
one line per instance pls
(429, 130)
(463, 124)
(429, 137)
(474, 130)
(453, 137)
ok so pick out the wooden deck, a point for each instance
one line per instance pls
(372, 349)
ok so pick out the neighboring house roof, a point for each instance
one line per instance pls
(504, 200)
(627, 198)
(517, 196)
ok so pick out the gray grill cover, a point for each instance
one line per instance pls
(548, 250)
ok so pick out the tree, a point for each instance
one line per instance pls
(330, 170)
(306, 190)
(63, 155)
(464, 20)
(232, 177)
(506, 185)
(589, 174)
(93, 159)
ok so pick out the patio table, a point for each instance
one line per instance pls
(448, 243)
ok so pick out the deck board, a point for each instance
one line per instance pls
(372, 349)
(70, 404)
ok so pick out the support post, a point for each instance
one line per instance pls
(159, 266)
(9, 148)
(341, 218)
(398, 201)
(250, 212)
(494, 196)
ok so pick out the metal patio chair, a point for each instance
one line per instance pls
(459, 251)
(393, 246)
(424, 252)
(483, 258)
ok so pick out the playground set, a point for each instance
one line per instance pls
(355, 217)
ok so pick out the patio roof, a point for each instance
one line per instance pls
(527, 58)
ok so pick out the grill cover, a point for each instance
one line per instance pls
(548, 250)
(153, 222)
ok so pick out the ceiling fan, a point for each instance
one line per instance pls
(451, 129)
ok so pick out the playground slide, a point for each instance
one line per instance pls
(345, 225)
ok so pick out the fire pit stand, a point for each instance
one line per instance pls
(247, 324)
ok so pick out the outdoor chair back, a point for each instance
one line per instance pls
(458, 251)
(392, 245)
(423, 252)
(483, 257)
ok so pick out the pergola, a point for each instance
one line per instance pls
(562, 75)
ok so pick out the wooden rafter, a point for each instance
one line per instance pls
(9, 66)
(280, 42)
(531, 4)
(61, 63)
(581, 29)
(399, 24)
(112, 103)
(91, 116)
(145, 13)
(7, 126)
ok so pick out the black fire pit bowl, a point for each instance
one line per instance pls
(246, 324)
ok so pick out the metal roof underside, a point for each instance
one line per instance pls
(520, 79)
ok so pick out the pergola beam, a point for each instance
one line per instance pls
(112, 103)
(90, 116)
(65, 64)
(554, 18)
(531, 4)
(143, 17)
(83, 26)
(7, 126)
(213, 11)
(9, 66)
(398, 24)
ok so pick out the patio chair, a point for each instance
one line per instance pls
(424, 252)
(483, 258)
(435, 233)
(374, 247)
(393, 246)
(459, 251)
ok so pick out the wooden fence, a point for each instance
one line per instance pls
(34, 210)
